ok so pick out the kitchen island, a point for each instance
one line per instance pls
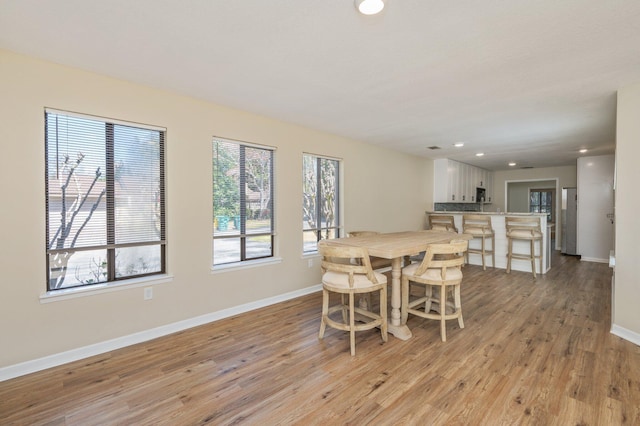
(501, 243)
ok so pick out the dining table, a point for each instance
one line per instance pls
(396, 246)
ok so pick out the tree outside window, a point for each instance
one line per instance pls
(104, 200)
(320, 206)
(541, 201)
(243, 221)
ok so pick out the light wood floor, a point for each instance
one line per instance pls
(532, 352)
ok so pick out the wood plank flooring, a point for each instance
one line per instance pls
(532, 352)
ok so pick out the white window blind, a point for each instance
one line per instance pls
(104, 200)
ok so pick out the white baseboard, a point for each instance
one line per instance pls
(629, 335)
(593, 259)
(55, 360)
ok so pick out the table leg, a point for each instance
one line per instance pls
(399, 330)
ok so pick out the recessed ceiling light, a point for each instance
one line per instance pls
(458, 144)
(583, 150)
(480, 154)
(511, 164)
(369, 7)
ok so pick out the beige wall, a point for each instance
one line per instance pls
(383, 190)
(566, 176)
(518, 194)
(627, 206)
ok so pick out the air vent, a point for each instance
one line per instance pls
(433, 147)
(527, 167)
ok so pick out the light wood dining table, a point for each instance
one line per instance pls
(395, 246)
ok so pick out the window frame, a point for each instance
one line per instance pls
(111, 222)
(243, 235)
(318, 229)
(550, 205)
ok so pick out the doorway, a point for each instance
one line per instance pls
(518, 199)
(543, 201)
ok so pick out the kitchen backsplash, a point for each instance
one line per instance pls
(456, 207)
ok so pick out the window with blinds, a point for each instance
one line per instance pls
(104, 199)
(541, 201)
(320, 205)
(243, 216)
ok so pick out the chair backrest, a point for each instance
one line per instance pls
(443, 257)
(442, 223)
(479, 221)
(362, 233)
(522, 223)
(347, 260)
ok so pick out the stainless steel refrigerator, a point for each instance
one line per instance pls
(569, 220)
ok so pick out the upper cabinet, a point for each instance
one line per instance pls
(456, 182)
(489, 186)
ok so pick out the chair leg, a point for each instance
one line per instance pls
(325, 311)
(365, 302)
(533, 258)
(443, 311)
(509, 251)
(343, 302)
(428, 292)
(352, 324)
(484, 266)
(458, 305)
(383, 312)
(493, 251)
(540, 255)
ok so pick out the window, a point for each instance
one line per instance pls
(541, 201)
(242, 202)
(320, 207)
(104, 200)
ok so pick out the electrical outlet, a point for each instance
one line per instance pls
(310, 262)
(148, 293)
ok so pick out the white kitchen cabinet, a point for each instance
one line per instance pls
(489, 187)
(440, 181)
(463, 185)
(456, 182)
(453, 181)
(482, 178)
(485, 180)
(474, 182)
(446, 181)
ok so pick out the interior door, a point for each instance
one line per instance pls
(595, 207)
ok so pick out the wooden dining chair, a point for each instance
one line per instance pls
(441, 274)
(376, 262)
(439, 222)
(347, 271)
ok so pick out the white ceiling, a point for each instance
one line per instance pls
(520, 80)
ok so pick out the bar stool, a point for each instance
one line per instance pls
(525, 228)
(479, 226)
(347, 271)
(442, 223)
(439, 272)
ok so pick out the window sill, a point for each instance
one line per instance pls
(245, 265)
(73, 293)
(311, 255)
